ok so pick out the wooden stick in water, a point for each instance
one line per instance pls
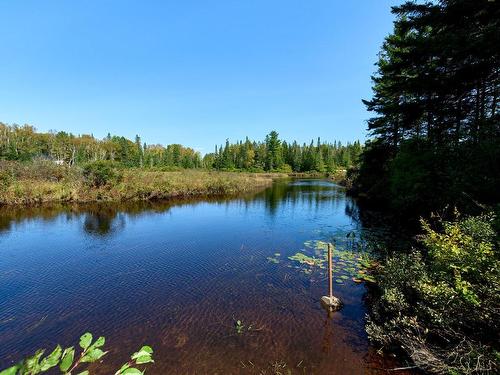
(330, 271)
(330, 302)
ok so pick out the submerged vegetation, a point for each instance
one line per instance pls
(67, 363)
(241, 328)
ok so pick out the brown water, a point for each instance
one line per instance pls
(177, 275)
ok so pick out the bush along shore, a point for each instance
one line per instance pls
(434, 151)
(44, 181)
(439, 303)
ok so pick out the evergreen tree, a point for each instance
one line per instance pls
(273, 147)
(436, 127)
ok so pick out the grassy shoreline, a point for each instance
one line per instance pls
(42, 181)
(29, 187)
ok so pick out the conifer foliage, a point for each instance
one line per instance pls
(436, 128)
(274, 154)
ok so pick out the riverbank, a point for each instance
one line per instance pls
(337, 176)
(28, 185)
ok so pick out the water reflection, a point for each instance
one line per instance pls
(109, 218)
(310, 193)
(176, 275)
(103, 221)
(327, 334)
(100, 219)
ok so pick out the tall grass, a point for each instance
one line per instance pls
(43, 181)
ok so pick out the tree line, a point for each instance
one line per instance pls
(274, 154)
(436, 128)
(24, 143)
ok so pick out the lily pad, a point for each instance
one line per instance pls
(273, 260)
(304, 259)
(348, 261)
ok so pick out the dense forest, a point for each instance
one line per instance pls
(24, 143)
(436, 128)
(435, 155)
(276, 155)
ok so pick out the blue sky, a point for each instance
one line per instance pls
(191, 72)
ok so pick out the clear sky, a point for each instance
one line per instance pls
(191, 72)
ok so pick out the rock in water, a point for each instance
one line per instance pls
(333, 302)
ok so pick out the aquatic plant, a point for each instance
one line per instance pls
(65, 359)
(242, 328)
(346, 263)
(316, 244)
(274, 259)
(239, 327)
(310, 261)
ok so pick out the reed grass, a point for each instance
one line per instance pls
(135, 184)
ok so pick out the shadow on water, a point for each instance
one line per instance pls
(177, 275)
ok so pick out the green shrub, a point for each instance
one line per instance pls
(101, 173)
(464, 260)
(39, 170)
(285, 168)
(68, 363)
(6, 178)
(47, 170)
(442, 304)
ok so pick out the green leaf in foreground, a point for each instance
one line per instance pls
(93, 355)
(31, 365)
(132, 371)
(67, 359)
(144, 359)
(85, 340)
(147, 349)
(11, 370)
(52, 359)
(98, 343)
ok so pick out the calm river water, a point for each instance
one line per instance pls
(178, 275)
